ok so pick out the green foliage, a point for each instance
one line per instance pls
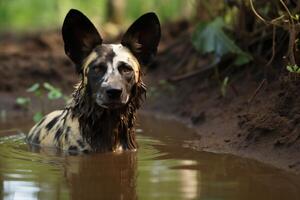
(37, 116)
(224, 86)
(293, 69)
(211, 38)
(53, 93)
(23, 101)
(35, 88)
(33, 14)
(165, 9)
(37, 14)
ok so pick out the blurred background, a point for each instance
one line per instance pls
(228, 68)
(28, 15)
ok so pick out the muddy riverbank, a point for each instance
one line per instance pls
(258, 118)
(263, 125)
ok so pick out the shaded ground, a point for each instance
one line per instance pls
(266, 129)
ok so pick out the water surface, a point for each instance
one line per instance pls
(164, 167)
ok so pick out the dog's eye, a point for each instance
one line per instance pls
(99, 69)
(124, 68)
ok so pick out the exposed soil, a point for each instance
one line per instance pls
(258, 117)
(264, 126)
(33, 58)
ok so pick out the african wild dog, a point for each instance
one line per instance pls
(101, 114)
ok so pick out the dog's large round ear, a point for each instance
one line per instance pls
(142, 37)
(80, 37)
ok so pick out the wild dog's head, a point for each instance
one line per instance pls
(110, 71)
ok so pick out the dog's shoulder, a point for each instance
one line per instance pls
(58, 129)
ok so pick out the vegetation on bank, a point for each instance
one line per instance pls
(43, 92)
(235, 35)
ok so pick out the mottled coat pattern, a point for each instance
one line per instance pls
(82, 126)
(101, 114)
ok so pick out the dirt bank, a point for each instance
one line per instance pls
(257, 118)
(230, 125)
(264, 126)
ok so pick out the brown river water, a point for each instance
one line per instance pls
(164, 167)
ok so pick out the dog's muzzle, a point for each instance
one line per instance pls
(112, 98)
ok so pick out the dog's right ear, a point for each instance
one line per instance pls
(80, 37)
(142, 37)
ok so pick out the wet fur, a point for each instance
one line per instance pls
(107, 129)
(84, 125)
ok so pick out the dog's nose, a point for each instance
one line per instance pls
(114, 93)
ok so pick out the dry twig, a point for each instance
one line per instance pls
(257, 90)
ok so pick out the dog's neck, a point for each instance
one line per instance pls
(104, 129)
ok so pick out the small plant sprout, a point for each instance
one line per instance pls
(38, 90)
(224, 86)
(53, 92)
(37, 116)
(35, 88)
(24, 103)
(293, 69)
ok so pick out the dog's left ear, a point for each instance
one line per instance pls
(142, 37)
(80, 37)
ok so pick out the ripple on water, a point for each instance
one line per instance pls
(164, 167)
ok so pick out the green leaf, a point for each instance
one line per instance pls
(54, 94)
(224, 86)
(289, 68)
(296, 17)
(38, 93)
(295, 68)
(23, 101)
(210, 38)
(33, 88)
(48, 86)
(37, 117)
(242, 59)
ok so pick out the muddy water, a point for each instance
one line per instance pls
(165, 167)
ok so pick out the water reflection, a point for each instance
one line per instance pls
(20, 190)
(189, 180)
(47, 174)
(108, 176)
(204, 175)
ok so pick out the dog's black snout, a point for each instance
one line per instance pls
(114, 93)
